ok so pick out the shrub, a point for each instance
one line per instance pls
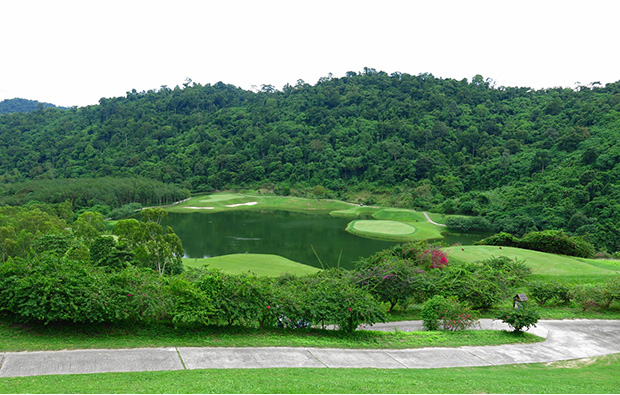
(401, 273)
(447, 313)
(469, 224)
(392, 280)
(483, 284)
(557, 242)
(500, 239)
(431, 312)
(48, 288)
(543, 292)
(519, 319)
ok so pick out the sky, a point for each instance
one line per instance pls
(72, 53)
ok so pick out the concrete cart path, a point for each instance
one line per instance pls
(568, 339)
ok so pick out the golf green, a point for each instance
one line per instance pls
(382, 229)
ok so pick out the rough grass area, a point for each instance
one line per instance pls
(542, 263)
(259, 264)
(590, 376)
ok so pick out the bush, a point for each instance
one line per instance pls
(519, 319)
(447, 313)
(543, 292)
(598, 296)
(500, 239)
(469, 224)
(551, 241)
(52, 289)
(483, 284)
(401, 273)
(557, 242)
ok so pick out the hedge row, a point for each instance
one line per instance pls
(51, 289)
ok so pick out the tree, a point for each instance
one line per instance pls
(153, 248)
(319, 191)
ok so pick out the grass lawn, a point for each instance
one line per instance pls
(39, 337)
(541, 263)
(259, 264)
(592, 375)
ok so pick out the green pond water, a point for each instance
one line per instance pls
(288, 234)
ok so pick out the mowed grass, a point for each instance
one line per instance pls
(220, 201)
(591, 375)
(386, 226)
(390, 230)
(354, 211)
(259, 264)
(39, 337)
(541, 263)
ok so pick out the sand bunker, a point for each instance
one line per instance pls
(242, 204)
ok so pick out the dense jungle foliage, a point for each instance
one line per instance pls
(522, 159)
(23, 105)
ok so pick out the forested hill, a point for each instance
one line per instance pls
(23, 105)
(523, 159)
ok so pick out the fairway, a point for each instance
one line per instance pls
(259, 264)
(400, 214)
(540, 262)
(225, 201)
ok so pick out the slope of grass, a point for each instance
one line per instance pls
(591, 375)
(259, 264)
(541, 263)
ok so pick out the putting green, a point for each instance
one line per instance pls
(391, 230)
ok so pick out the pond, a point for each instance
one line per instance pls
(300, 237)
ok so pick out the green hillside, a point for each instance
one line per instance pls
(540, 262)
(522, 159)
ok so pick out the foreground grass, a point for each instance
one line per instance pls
(14, 337)
(592, 375)
(259, 264)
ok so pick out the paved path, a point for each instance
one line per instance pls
(569, 339)
(430, 220)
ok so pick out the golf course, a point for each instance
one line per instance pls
(381, 223)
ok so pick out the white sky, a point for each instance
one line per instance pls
(75, 52)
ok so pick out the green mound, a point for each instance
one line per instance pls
(259, 264)
(391, 230)
(540, 262)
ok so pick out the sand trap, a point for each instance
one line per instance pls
(242, 204)
(201, 208)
